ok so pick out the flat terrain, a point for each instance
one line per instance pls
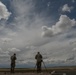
(48, 71)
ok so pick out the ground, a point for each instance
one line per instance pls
(48, 71)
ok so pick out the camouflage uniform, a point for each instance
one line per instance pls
(38, 57)
(13, 58)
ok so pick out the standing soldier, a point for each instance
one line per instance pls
(38, 57)
(13, 58)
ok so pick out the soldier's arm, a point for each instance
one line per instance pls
(15, 58)
(36, 57)
(41, 56)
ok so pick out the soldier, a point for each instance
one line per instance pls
(13, 58)
(38, 57)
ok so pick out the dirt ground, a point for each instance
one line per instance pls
(25, 74)
(43, 73)
(54, 71)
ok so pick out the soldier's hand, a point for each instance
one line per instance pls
(41, 60)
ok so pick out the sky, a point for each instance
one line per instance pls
(29, 26)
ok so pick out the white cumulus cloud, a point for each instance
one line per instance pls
(64, 24)
(4, 13)
(67, 8)
(13, 49)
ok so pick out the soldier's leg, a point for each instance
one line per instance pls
(39, 66)
(14, 69)
(11, 68)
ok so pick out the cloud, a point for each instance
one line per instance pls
(3, 54)
(64, 24)
(66, 8)
(47, 31)
(73, 1)
(70, 58)
(74, 49)
(6, 40)
(13, 50)
(1, 51)
(4, 13)
(48, 4)
(22, 35)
